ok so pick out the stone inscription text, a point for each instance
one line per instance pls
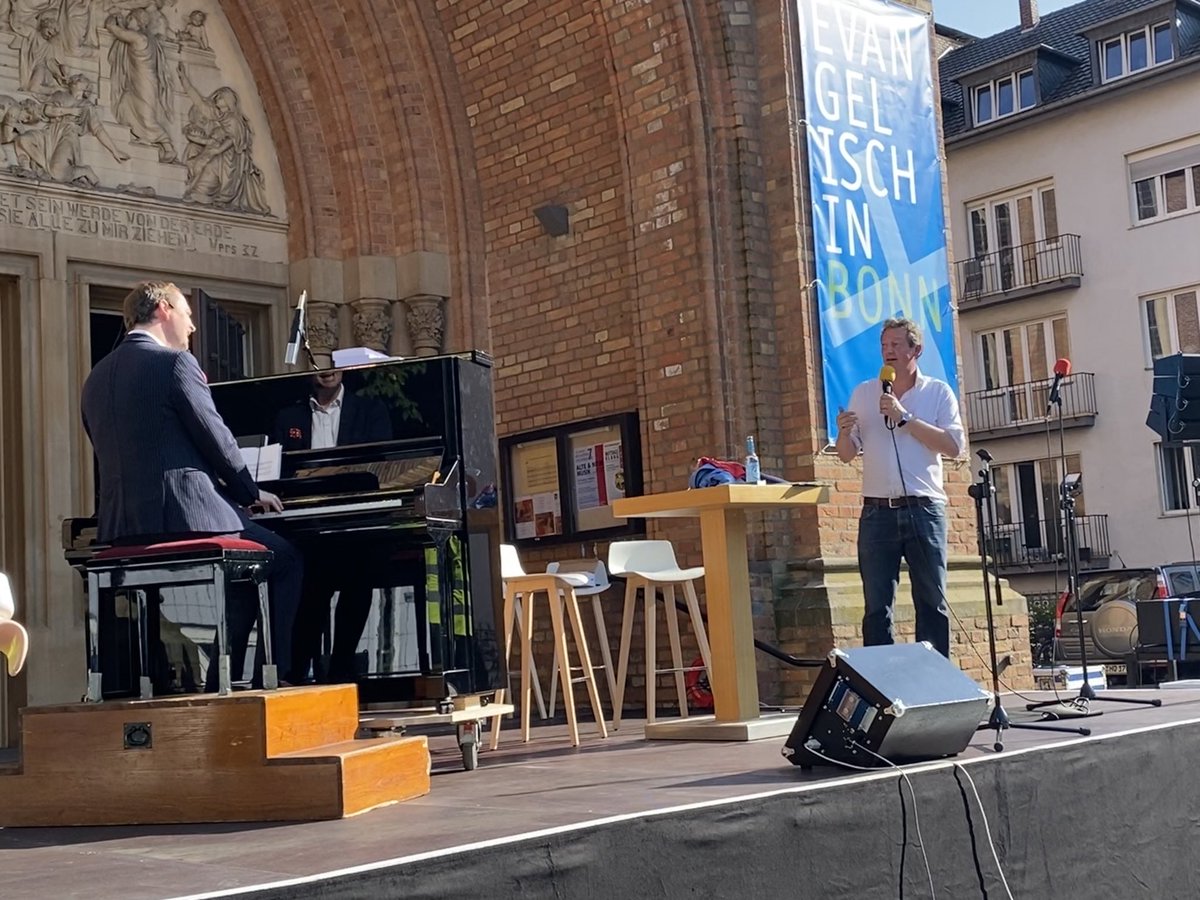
(115, 223)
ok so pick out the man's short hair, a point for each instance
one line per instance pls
(911, 327)
(143, 300)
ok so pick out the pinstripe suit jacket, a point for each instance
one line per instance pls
(168, 463)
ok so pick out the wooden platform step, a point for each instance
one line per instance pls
(271, 756)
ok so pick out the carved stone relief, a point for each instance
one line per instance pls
(163, 89)
(426, 323)
(322, 327)
(372, 323)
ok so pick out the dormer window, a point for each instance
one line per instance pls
(1135, 51)
(1004, 96)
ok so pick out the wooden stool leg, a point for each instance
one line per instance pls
(526, 662)
(693, 603)
(623, 652)
(672, 615)
(554, 664)
(650, 610)
(508, 618)
(585, 660)
(605, 651)
(538, 697)
(564, 671)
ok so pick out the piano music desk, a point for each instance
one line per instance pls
(722, 513)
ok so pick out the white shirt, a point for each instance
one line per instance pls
(326, 420)
(150, 335)
(929, 400)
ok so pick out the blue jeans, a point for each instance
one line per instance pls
(918, 534)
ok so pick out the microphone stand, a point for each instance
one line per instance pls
(1080, 707)
(983, 493)
(300, 336)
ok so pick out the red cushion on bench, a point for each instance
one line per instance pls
(172, 548)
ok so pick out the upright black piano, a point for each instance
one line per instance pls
(414, 511)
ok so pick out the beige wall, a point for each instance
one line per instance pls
(1084, 151)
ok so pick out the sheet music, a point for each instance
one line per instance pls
(264, 463)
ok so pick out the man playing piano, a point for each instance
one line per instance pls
(169, 468)
(330, 416)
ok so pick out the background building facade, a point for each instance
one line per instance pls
(1074, 170)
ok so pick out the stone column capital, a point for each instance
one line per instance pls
(426, 323)
(372, 320)
(322, 328)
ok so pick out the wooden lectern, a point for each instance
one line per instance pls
(734, 681)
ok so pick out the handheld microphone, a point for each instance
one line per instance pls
(886, 376)
(292, 353)
(1062, 368)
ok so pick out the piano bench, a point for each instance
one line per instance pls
(214, 563)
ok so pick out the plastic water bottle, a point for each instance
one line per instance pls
(753, 475)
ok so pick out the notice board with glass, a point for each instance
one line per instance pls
(562, 481)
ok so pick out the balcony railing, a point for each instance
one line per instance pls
(1036, 544)
(1013, 272)
(1021, 408)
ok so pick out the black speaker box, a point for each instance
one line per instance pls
(901, 702)
(1171, 423)
(1186, 389)
(1181, 368)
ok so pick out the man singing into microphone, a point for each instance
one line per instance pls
(904, 505)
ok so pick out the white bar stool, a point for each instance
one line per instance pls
(597, 583)
(651, 566)
(560, 593)
(510, 568)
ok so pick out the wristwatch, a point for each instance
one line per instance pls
(904, 420)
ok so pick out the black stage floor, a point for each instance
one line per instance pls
(1111, 815)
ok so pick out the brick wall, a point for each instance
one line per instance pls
(668, 130)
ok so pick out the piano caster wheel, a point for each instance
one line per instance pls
(468, 742)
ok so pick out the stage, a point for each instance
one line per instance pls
(1110, 815)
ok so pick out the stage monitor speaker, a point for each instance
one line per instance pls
(901, 702)
(1172, 424)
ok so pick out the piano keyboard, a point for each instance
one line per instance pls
(393, 503)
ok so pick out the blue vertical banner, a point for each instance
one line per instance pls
(879, 228)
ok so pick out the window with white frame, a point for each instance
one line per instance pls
(1135, 51)
(1165, 182)
(1004, 96)
(1008, 220)
(1022, 352)
(1029, 525)
(1178, 466)
(1170, 323)
(1016, 363)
